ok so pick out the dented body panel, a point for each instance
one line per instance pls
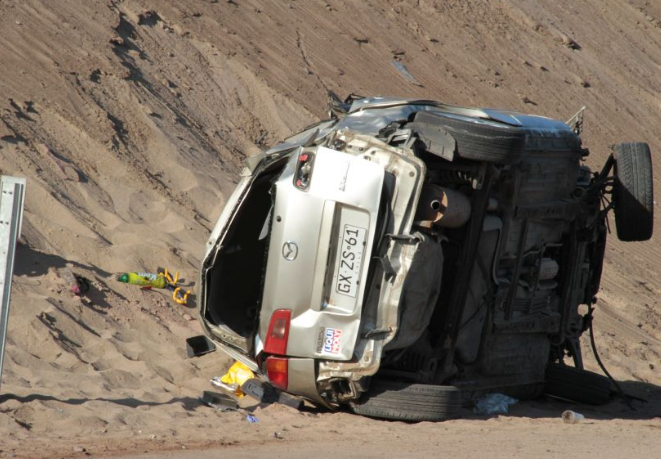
(413, 240)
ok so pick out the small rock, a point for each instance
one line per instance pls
(569, 42)
(117, 41)
(79, 449)
(18, 22)
(361, 40)
(278, 435)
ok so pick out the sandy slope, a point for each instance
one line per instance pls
(130, 120)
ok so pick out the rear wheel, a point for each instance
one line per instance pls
(409, 402)
(633, 197)
(577, 385)
(479, 141)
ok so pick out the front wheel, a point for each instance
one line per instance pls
(578, 385)
(409, 402)
(633, 198)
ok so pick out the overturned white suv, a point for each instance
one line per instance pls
(407, 255)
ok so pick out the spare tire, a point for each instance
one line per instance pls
(409, 402)
(577, 385)
(633, 198)
(479, 140)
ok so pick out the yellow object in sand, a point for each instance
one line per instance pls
(235, 377)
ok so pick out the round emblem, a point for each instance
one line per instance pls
(290, 251)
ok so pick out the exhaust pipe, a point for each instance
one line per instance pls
(440, 206)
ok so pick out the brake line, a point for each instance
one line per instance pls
(603, 368)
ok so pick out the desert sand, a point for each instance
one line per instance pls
(131, 118)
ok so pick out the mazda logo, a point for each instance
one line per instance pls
(290, 251)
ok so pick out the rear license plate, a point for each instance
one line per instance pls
(349, 260)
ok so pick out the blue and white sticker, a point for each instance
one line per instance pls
(332, 341)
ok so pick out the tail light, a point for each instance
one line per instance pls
(277, 371)
(278, 332)
(303, 171)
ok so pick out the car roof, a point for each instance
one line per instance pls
(478, 115)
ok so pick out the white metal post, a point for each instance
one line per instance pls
(12, 194)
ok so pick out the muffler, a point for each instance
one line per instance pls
(440, 206)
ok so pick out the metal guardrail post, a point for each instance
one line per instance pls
(12, 194)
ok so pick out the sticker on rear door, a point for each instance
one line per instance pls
(330, 341)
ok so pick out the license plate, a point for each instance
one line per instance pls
(349, 260)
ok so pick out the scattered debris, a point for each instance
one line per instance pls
(161, 280)
(572, 417)
(71, 280)
(199, 345)
(221, 402)
(405, 72)
(252, 419)
(234, 379)
(494, 404)
(265, 393)
(527, 100)
(155, 280)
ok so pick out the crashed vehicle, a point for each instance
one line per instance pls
(406, 256)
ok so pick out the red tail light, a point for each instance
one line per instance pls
(304, 171)
(278, 333)
(277, 371)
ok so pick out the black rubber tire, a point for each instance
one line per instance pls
(581, 386)
(633, 197)
(409, 402)
(480, 142)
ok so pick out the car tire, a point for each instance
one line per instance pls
(633, 198)
(491, 142)
(577, 385)
(409, 402)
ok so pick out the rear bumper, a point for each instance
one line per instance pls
(303, 381)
